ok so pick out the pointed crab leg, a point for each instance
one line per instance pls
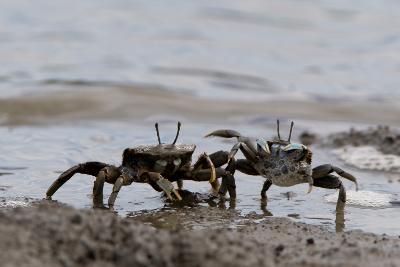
(213, 177)
(178, 196)
(310, 184)
(323, 170)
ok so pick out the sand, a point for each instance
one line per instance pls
(53, 235)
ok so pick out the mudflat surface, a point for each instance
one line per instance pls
(50, 235)
(64, 104)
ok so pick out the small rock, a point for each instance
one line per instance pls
(279, 249)
(310, 241)
(76, 219)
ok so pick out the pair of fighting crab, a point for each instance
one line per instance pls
(281, 162)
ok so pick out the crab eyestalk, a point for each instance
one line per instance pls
(158, 133)
(177, 133)
(290, 133)
(277, 129)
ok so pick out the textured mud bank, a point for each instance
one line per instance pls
(383, 138)
(48, 235)
(374, 148)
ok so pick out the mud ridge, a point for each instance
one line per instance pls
(383, 138)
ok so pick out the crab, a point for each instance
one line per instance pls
(158, 165)
(282, 163)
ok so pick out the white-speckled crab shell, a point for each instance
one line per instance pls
(282, 169)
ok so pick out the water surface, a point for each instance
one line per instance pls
(252, 51)
(33, 157)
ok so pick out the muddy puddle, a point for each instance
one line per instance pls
(32, 157)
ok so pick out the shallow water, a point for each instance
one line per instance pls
(33, 157)
(243, 50)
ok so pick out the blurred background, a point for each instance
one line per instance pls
(134, 59)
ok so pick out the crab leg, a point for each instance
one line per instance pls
(180, 184)
(247, 151)
(245, 166)
(167, 187)
(267, 184)
(310, 183)
(198, 167)
(89, 168)
(231, 185)
(110, 175)
(159, 183)
(178, 196)
(213, 177)
(346, 175)
(326, 169)
(330, 181)
(116, 188)
(98, 190)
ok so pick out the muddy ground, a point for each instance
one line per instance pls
(53, 235)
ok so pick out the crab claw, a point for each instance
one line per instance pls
(168, 188)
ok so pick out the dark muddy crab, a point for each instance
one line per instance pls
(282, 163)
(158, 165)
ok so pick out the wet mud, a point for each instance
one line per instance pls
(383, 138)
(54, 235)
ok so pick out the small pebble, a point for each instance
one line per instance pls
(279, 249)
(76, 219)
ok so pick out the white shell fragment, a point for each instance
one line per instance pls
(13, 204)
(363, 198)
(368, 158)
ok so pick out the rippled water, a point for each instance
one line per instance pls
(214, 49)
(32, 158)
